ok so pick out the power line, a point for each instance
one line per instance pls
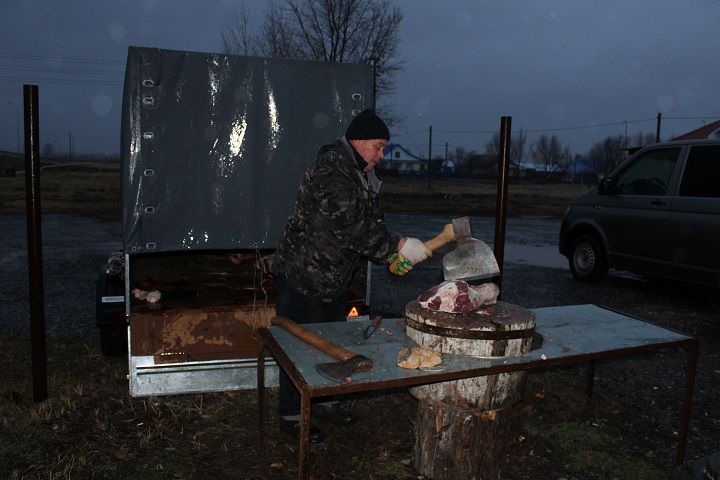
(15, 71)
(408, 133)
(61, 70)
(59, 58)
(558, 129)
(59, 81)
(577, 127)
(466, 132)
(709, 117)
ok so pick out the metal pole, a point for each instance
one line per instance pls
(374, 82)
(687, 401)
(502, 188)
(446, 155)
(626, 139)
(429, 162)
(657, 130)
(34, 240)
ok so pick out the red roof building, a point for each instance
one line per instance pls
(711, 130)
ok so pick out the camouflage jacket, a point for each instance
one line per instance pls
(336, 222)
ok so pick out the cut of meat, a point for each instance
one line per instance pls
(456, 296)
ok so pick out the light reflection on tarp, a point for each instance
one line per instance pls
(229, 139)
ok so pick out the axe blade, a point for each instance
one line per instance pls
(339, 371)
(472, 259)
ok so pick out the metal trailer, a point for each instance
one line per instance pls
(213, 149)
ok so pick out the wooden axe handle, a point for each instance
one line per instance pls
(310, 338)
(446, 236)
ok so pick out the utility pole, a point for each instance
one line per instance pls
(429, 161)
(657, 130)
(446, 157)
(71, 146)
(626, 141)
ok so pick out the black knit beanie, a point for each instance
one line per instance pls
(367, 126)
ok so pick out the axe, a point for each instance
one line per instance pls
(472, 259)
(337, 371)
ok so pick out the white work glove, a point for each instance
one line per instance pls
(415, 250)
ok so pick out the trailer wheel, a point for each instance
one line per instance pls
(110, 317)
(588, 262)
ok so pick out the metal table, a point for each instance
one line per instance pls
(571, 334)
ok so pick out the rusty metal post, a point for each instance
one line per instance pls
(501, 203)
(692, 352)
(590, 381)
(261, 400)
(34, 242)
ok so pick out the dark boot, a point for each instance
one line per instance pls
(292, 427)
(332, 413)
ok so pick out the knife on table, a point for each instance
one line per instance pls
(370, 329)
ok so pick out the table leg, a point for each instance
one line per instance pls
(590, 380)
(304, 435)
(687, 403)
(261, 401)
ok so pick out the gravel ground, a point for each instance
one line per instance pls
(75, 248)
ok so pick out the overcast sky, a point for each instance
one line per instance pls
(578, 69)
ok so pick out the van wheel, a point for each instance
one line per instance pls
(587, 259)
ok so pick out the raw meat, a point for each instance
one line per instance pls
(418, 357)
(456, 296)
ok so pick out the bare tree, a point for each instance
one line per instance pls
(353, 31)
(458, 156)
(549, 154)
(640, 140)
(607, 154)
(238, 37)
(517, 147)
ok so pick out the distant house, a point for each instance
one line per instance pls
(582, 171)
(447, 166)
(400, 161)
(711, 130)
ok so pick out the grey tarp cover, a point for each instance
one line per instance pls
(214, 146)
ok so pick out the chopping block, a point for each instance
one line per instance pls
(464, 427)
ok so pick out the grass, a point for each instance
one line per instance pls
(476, 196)
(91, 428)
(93, 187)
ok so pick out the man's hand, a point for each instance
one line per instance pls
(399, 265)
(415, 250)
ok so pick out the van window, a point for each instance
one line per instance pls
(648, 174)
(702, 173)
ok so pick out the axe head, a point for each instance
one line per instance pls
(339, 371)
(472, 259)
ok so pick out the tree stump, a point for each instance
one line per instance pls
(464, 427)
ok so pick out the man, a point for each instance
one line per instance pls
(337, 221)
